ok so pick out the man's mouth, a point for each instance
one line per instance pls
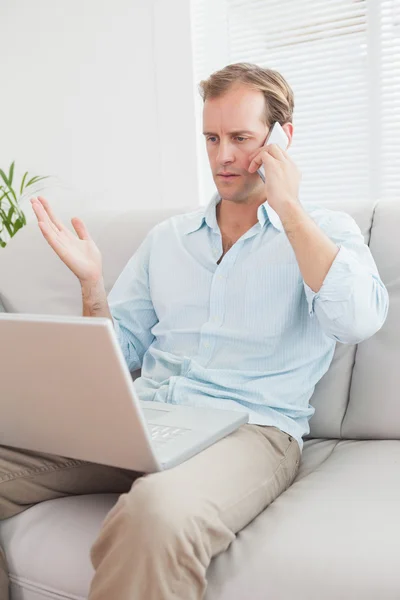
(229, 176)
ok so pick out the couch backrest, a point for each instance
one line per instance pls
(374, 406)
(331, 395)
(34, 280)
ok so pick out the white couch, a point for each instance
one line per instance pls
(334, 534)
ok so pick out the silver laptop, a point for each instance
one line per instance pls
(67, 390)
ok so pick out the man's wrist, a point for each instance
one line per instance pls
(292, 216)
(94, 286)
(94, 295)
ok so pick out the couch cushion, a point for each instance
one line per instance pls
(374, 408)
(334, 533)
(47, 546)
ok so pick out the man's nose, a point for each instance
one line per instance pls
(225, 153)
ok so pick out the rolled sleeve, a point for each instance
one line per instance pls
(352, 303)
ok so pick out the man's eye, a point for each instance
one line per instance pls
(238, 137)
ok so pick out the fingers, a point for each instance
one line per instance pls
(276, 152)
(266, 153)
(49, 211)
(42, 215)
(258, 160)
(80, 229)
(51, 238)
(46, 217)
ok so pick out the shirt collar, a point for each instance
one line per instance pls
(265, 214)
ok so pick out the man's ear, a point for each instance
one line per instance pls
(288, 129)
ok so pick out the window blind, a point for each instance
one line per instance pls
(342, 60)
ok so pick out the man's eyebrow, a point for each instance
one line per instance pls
(231, 132)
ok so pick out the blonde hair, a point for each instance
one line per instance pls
(279, 97)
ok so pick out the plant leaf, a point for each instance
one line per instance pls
(15, 205)
(10, 212)
(22, 183)
(17, 225)
(4, 195)
(4, 177)
(7, 223)
(7, 194)
(11, 173)
(35, 179)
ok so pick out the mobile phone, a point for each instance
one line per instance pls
(276, 136)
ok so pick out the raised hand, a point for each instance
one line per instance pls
(79, 253)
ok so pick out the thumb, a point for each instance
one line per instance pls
(80, 229)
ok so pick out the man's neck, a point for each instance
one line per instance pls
(236, 217)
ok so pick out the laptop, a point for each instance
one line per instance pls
(67, 390)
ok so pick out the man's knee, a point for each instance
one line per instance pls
(156, 507)
(158, 528)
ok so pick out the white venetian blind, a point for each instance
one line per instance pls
(389, 118)
(342, 59)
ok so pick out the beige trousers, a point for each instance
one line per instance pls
(158, 539)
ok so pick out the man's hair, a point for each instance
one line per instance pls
(279, 97)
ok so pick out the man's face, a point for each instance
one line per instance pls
(234, 126)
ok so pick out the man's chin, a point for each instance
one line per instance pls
(232, 197)
(231, 194)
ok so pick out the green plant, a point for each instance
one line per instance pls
(12, 217)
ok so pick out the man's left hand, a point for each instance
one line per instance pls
(282, 177)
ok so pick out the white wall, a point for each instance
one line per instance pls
(100, 94)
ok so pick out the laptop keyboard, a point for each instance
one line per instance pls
(161, 434)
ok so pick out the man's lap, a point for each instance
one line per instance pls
(240, 475)
(249, 468)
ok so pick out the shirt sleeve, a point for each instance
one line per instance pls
(131, 306)
(352, 303)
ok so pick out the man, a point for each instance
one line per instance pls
(236, 305)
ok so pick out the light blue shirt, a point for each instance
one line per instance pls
(247, 334)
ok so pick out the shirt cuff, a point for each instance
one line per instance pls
(338, 285)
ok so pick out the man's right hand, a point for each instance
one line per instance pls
(80, 254)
